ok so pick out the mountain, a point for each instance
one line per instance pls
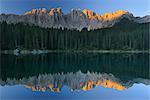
(144, 19)
(76, 19)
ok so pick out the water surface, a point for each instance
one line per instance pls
(82, 76)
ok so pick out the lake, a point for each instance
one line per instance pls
(75, 76)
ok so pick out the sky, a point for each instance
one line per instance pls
(137, 7)
(136, 92)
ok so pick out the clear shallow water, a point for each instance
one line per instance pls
(85, 77)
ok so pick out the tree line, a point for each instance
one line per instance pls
(125, 35)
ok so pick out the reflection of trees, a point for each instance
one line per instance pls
(124, 66)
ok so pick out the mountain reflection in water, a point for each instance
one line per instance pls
(75, 81)
(78, 71)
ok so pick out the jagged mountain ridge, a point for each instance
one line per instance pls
(76, 19)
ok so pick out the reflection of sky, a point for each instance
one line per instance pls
(138, 7)
(136, 92)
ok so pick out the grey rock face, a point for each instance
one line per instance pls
(144, 19)
(76, 19)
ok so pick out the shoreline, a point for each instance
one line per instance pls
(36, 52)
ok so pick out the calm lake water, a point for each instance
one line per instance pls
(75, 76)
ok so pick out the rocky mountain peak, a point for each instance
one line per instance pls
(76, 19)
(55, 11)
(143, 19)
(37, 11)
(91, 14)
(107, 16)
(115, 15)
(76, 12)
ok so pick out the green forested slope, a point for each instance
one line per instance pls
(125, 35)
